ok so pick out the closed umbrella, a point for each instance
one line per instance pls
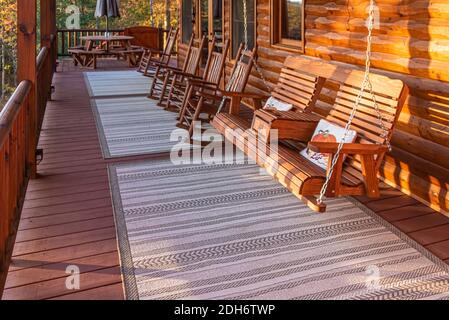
(108, 9)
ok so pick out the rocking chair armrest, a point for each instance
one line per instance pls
(154, 51)
(201, 83)
(348, 148)
(180, 72)
(173, 68)
(158, 62)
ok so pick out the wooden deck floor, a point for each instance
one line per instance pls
(67, 217)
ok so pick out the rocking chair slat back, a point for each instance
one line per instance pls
(175, 82)
(194, 59)
(242, 69)
(147, 59)
(171, 41)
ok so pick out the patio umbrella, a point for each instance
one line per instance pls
(108, 9)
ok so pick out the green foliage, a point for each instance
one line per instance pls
(133, 13)
(8, 39)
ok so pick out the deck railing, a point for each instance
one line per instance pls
(20, 123)
(72, 37)
(45, 67)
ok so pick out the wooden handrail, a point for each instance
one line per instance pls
(21, 119)
(20, 123)
(15, 143)
(43, 53)
(10, 111)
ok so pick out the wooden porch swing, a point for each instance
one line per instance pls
(369, 104)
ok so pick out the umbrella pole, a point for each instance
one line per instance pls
(107, 26)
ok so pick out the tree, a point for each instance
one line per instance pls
(8, 38)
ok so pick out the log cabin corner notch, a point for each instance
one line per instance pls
(410, 45)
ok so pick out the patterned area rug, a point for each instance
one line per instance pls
(130, 126)
(116, 83)
(229, 232)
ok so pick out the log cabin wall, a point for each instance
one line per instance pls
(412, 44)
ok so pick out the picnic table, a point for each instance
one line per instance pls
(100, 45)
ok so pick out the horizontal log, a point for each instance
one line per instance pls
(425, 68)
(404, 47)
(421, 147)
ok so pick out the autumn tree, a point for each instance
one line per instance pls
(8, 37)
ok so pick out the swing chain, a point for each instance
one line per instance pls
(259, 71)
(366, 84)
(234, 74)
(245, 39)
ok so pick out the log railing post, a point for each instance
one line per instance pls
(26, 70)
(48, 27)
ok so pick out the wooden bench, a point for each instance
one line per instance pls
(132, 55)
(86, 58)
(357, 175)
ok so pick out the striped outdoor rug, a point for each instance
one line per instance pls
(228, 232)
(117, 83)
(129, 126)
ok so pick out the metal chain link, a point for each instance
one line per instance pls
(245, 39)
(366, 84)
(259, 71)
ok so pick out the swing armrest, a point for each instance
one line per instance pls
(348, 148)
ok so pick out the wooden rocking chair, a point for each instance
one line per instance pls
(173, 78)
(151, 59)
(179, 80)
(357, 175)
(206, 98)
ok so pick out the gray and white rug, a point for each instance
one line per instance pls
(130, 126)
(228, 232)
(117, 83)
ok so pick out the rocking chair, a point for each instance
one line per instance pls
(206, 98)
(151, 59)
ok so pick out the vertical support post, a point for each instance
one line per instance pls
(26, 70)
(48, 36)
(48, 26)
(167, 14)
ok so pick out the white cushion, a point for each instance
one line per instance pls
(327, 132)
(278, 105)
